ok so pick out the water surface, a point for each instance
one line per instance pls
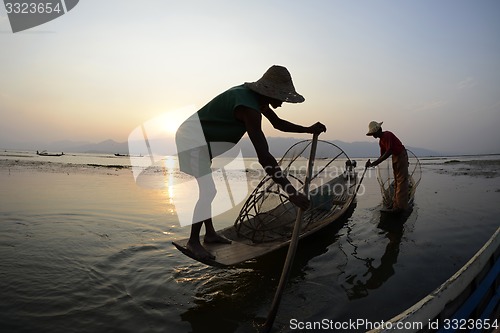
(84, 249)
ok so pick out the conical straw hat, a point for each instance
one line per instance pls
(276, 83)
(373, 127)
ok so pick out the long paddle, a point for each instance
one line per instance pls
(268, 325)
(359, 184)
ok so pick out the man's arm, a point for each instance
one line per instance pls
(286, 126)
(253, 120)
(379, 160)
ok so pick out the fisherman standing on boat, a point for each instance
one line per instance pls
(391, 145)
(219, 125)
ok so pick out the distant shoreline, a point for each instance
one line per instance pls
(246, 153)
(489, 168)
(278, 146)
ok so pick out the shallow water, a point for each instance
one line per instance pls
(83, 248)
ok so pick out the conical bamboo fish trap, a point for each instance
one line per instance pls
(385, 178)
(269, 216)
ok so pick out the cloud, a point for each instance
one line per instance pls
(429, 105)
(468, 82)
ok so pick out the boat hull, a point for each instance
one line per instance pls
(471, 297)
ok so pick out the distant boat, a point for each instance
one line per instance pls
(44, 153)
(122, 155)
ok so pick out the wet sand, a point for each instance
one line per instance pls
(476, 168)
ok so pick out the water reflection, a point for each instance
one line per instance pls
(226, 299)
(238, 299)
(393, 227)
(169, 165)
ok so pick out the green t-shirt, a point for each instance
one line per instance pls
(212, 130)
(217, 117)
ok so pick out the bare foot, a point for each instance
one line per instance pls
(216, 239)
(199, 251)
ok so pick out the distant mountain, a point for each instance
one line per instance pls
(277, 145)
(63, 145)
(104, 147)
(108, 146)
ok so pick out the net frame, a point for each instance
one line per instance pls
(385, 178)
(268, 215)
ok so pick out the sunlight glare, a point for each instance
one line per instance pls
(170, 121)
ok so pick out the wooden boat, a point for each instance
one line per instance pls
(44, 153)
(266, 220)
(469, 301)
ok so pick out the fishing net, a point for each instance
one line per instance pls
(268, 215)
(385, 177)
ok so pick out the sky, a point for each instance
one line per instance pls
(429, 69)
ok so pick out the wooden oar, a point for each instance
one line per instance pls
(359, 184)
(268, 325)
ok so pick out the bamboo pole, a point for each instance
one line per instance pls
(268, 325)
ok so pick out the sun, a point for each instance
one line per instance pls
(168, 122)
